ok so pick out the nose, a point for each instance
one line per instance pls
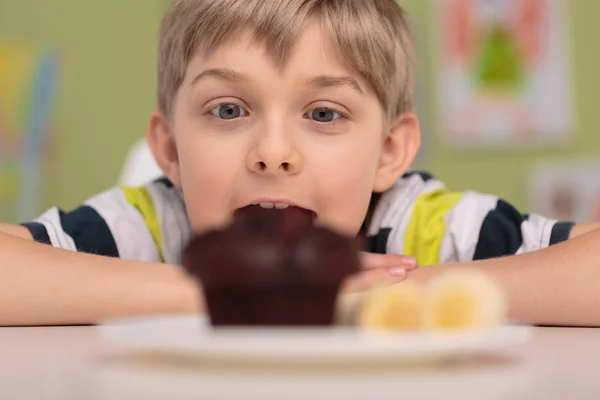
(274, 153)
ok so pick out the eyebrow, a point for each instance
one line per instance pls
(317, 82)
(324, 82)
(223, 74)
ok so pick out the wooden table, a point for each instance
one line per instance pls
(76, 363)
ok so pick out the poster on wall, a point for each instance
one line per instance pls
(505, 72)
(28, 83)
(567, 191)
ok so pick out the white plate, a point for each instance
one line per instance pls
(192, 336)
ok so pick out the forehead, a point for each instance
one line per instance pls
(312, 54)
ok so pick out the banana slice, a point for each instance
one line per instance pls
(463, 300)
(397, 307)
(348, 306)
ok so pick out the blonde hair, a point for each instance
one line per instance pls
(371, 36)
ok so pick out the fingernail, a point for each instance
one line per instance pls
(397, 272)
(410, 261)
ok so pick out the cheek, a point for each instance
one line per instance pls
(350, 166)
(345, 182)
(206, 176)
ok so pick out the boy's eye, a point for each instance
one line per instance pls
(228, 111)
(324, 115)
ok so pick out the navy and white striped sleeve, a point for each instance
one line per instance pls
(81, 230)
(106, 225)
(505, 231)
(420, 217)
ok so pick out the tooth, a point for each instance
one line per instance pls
(267, 205)
(281, 206)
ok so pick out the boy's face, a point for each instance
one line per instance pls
(312, 134)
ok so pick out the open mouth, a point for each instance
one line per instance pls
(267, 207)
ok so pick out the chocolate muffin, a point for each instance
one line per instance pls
(271, 267)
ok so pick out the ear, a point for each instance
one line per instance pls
(163, 146)
(398, 151)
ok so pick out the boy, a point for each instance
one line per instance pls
(273, 103)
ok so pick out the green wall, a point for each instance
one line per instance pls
(108, 91)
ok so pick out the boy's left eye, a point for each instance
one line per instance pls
(228, 111)
(324, 115)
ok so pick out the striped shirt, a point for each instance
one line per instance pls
(418, 216)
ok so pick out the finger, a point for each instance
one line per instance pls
(372, 260)
(370, 278)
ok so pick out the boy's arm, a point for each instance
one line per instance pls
(557, 285)
(16, 230)
(42, 285)
(581, 229)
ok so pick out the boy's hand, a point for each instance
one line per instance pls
(380, 269)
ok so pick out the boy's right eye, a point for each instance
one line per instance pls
(228, 111)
